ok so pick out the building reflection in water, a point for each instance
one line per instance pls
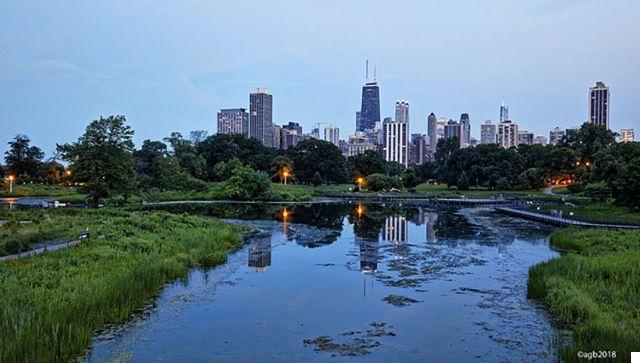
(368, 254)
(396, 229)
(429, 219)
(260, 254)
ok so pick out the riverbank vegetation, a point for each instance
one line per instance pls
(593, 289)
(587, 211)
(53, 303)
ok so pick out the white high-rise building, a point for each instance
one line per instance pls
(332, 134)
(507, 134)
(465, 130)
(599, 105)
(626, 135)
(396, 142)
(233, 121)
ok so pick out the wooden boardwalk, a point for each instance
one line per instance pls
(559, 221)
(40, 250)
(390, 197)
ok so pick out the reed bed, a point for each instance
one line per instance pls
(593, 289)
(52, 304)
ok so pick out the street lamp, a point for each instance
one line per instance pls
(285, 173)
(11, 177)
(360, 181)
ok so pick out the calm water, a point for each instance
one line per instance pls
(357, 282)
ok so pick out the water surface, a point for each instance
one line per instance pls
(363, 282)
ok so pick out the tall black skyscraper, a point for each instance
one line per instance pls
(599, 105)
(370, 108)
(260, 116)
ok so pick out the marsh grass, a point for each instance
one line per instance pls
(53, 303)
(593, 289)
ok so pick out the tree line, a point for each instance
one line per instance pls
(105, 161)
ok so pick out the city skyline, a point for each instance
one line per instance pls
(169, 69)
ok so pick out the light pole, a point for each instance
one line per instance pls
(10, 183)
(360, 180)
(285, 174)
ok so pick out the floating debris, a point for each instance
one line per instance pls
(400, 301)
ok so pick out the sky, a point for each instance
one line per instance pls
(171, 65)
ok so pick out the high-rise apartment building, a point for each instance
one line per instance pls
(370, 107)
(556, 135)
(452, 129)
(402, 111)
(626, 135)
(504, 112)
(358, 143)
(599, 105)
(396, 143)
(507, 134)
(261, 116)
(465, 130)
(542, 140)
(233, 121)
(432, 132)
(488, 133)
(332, 134)
(525, 137)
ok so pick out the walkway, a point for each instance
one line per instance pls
(40, 250)
(545, 218)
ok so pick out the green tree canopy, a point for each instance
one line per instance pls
(23, 160)
(311, 156)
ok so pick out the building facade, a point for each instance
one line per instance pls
(358, 143)
(233, 121)
(261, 116)
(370, 106)
(332, 134)
(396, 144)
(488, 133)
(504, 112)
(432, 133)
(626, 135)
(556, 135)
(599, 98)
(465, 130)
(452, 129)
(525, 137)
(541, 140)
(507, 134)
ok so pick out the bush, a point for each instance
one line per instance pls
(598, 192)
(381, 182)
(503, 184)
(463, 181)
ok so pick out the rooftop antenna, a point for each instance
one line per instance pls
(374, 73)
(366, 73)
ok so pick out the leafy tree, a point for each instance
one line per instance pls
(279, 164)
(147, 154)
(244, 184)
(317, 179)
(167, 174)
(410, 179)
(522, 183)
(102, 158)
(23, 161)
(381, 182)
(367, 163)
(394, 168)
(186, 152)
(503, 184)
(198, 136)
(463, 181)
(224, 147)
(324, 157)
(225, 170)
(598, 192)
(51, 172)
(426, 171)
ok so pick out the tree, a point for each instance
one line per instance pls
(278, 166)
(23, 161)
(380, 182)
(426, 171)
(598, 192)
(409, 178)
(186, 152)
(224, 147)
(503, 184)
(463, 181)
(367, 163)
(317, 179)
(311, 156)
(394, 168)
(102, 158)
(244, 184)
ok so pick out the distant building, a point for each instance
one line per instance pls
(626, 135)
(402, 111)
(370, 107)
(488, 133)
(465, 130)
(293, 126)
(233, 121)
(599, 97)
(315, 133)
(432, 133)
(359, 143)
(261, 116)
(419, 151)
(451, 130)
(504, 112)
(556, 135)
(277, 136)
(396, 229)
(441, 122)
(525, 137)
(396, 144)
(474, 142)
(332, 134)
(507, 134)
(260, 253)
(542, 140)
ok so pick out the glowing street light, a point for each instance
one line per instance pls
(68, 172)
(11, 177)
(285, 173)
(360, 181)
(360, 210)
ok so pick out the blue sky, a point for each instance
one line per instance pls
(170, 65)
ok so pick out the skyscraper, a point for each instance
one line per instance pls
(465, 130)
(396, 142)
(261, 116)
(233, 121)
(525, 137)
(332, 134)
(504, 112)
(507, 134)
(488, 133)
(370, 107)
(452, 129)
(402, 111)
(599, 105)
(626, 135)
(542, 140)
(432, 132)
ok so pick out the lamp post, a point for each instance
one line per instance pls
(11, 183)
(360, 181)
(285, 173)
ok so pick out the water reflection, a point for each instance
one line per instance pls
(260, 253)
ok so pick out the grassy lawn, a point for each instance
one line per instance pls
(38, 190)
(53, 303)
(592, 212)
(593, 289)
(24, 227)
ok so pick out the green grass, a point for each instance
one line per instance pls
(53, 303)
(25, 227)
(593, 289)
(593, 212)
(38, 190)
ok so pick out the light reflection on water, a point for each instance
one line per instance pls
(370, 282)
